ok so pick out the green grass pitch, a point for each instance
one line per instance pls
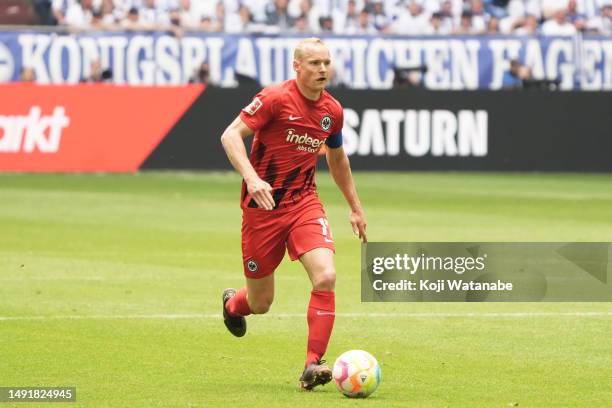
(112, 284)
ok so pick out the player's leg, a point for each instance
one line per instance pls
(263, 248)
(310, 240)
(319, 263)
(260, 294)
(255, 298)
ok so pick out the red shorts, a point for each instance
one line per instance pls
(265, 234)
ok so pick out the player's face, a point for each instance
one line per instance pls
(314, 67)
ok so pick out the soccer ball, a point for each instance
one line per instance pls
(356, 374)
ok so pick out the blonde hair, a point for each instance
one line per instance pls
(298, 54)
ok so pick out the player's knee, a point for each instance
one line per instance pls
(260, 306)
(325, 280)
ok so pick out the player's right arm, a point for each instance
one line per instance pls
(233, 144)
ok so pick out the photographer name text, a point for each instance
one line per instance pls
(440, 285)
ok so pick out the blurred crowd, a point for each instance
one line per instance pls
(406, 17)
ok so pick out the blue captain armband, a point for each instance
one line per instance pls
(334, 141)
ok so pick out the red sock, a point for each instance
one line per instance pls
(238, 305)
(321, 314)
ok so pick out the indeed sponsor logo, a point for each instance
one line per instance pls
(305, 143)
(33, 132)
(416, 133)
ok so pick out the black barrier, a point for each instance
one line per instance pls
(195, 141)
(414, 129)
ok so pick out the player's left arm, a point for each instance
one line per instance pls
(340, 169)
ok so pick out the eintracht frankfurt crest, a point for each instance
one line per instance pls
(252, 265)
(326, 123)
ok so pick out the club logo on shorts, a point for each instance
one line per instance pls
(326, 122)
(252, 265)
(253, 106)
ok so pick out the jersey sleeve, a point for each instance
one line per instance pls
(260, 111)
(335, 139)
(338, 124)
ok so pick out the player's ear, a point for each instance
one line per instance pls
(296, 65)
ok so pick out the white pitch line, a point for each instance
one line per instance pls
(302, 315)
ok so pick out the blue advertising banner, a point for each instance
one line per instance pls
(360, 62)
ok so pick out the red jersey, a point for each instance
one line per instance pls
(289, 132)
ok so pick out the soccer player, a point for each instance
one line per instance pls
(281, 208)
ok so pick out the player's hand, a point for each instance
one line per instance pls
(261, 193)
(359, 223)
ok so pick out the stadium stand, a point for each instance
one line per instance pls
(400, 17)
(18, 12)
